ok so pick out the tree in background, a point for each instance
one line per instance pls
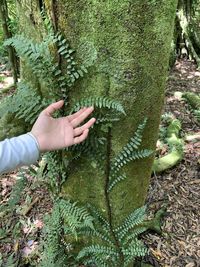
(7, 31)
(187, 30)
(125, 48)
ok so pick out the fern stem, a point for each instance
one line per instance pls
(107, 172)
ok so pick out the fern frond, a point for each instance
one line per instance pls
(95, 233)
(106, 253)
(99, 102)
(134, 234)
(17, 190)
(130, 222)
(115, 180)
(75, 217)
(134, 249)
(36, 55)
(130, 151)
(64, 50)
(123, 158)
(99, 218)
(95, 261)
(53, 253)
(25, 103)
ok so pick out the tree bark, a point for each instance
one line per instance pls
(7, 34)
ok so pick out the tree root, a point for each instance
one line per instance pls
(176, 149)
(192, 99)
(156, 223)
(153, 225)
(194, 102)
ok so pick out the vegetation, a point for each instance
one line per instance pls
(98, 188)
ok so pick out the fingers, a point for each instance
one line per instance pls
(75, 115)
(87, 125)
(77, 120)
(82, 137)
(53, 107)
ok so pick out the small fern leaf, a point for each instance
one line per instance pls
(74, 216)
(104, 251)
(99, 102)
(126, 156)
(130, 222)
(115, 180)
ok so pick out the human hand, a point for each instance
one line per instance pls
(53, 134)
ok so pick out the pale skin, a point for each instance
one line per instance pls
(53, 134)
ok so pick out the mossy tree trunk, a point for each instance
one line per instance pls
(125, 46)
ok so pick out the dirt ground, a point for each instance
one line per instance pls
(178, 188)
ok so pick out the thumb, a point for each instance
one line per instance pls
(53, 107)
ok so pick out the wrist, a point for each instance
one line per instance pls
(35, 139)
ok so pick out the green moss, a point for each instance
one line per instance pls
(128, 48)
(192, 99)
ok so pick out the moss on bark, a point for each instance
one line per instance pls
(126, 48)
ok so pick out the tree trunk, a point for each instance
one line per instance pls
(125, 45)
(127, 52)
(7, 34)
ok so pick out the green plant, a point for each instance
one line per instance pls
(68, 219)
(2, 78)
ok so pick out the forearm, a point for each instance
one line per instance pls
(18, 151)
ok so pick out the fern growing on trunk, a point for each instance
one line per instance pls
(112, 246)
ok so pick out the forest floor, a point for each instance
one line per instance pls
(178, 188)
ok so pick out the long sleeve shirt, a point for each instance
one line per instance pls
(18, 151)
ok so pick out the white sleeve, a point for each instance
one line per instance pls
(18, 151)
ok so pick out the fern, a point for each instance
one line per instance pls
(54, 252)
(99, 253)
(129, 152)
(197, 114)
(17, 191)
(96, 233)
(66, 218)
(115, 179)
(100, 102)
(39, 58)
(75, 217)
(134, 249)
(26, 104)
(130, 222)
(64, 50)
(54, 172)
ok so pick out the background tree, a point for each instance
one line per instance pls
(187, 30)
(5, 21)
